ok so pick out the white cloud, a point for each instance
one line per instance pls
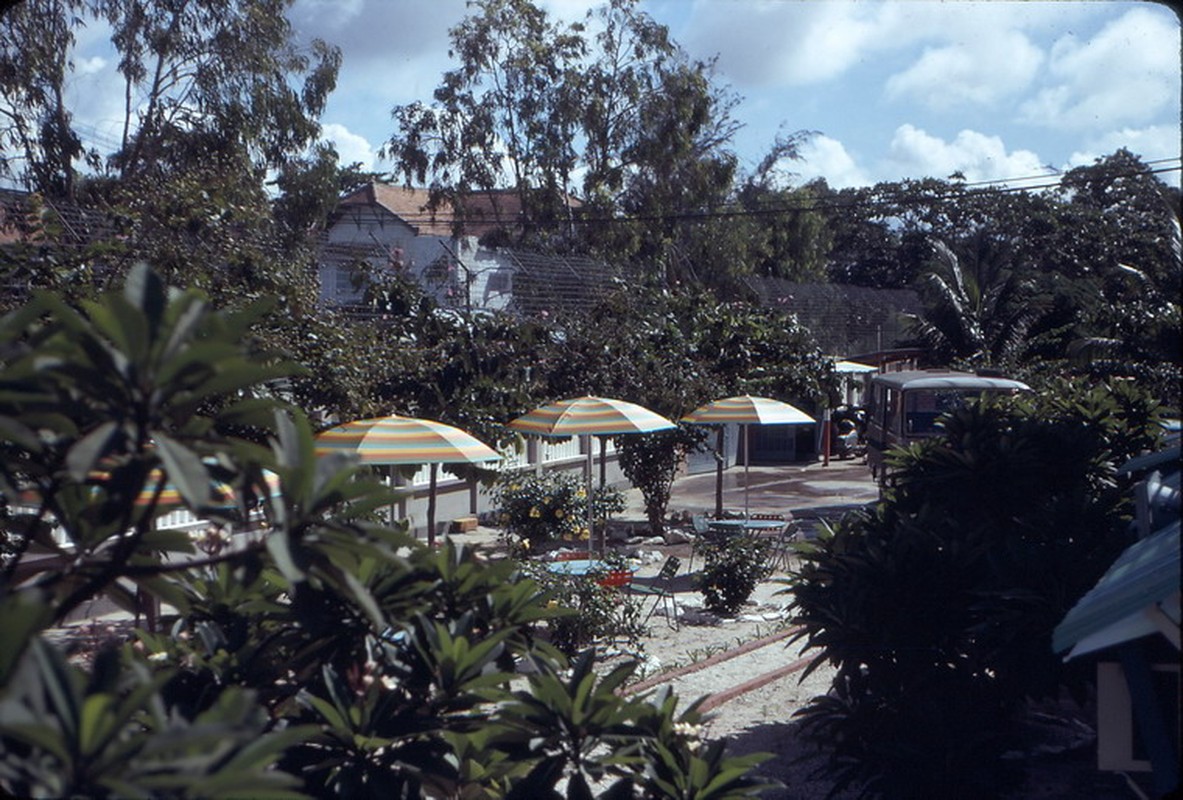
(979, 71)
(91, 65)
(823, 157)
(782, 43)
(779, 43)
(1127, 74)
(350, 147)
(913, 153)
(1151, 143)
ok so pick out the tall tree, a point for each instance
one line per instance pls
(225, 69)
(503, 118)
(532, 102)
(38, 145)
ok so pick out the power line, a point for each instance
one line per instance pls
(883, 200)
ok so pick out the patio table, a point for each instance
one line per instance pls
(745, 525)
(575, 566)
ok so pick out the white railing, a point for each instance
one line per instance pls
(559, 449)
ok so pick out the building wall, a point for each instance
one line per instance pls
(457, 272)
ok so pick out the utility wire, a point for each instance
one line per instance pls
(879, 199)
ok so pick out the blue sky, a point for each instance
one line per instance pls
(895, 88)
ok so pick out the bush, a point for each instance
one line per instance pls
(733, 568)
(537, 509)
(600, 612)
(937, 607)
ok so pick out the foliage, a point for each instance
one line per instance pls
(937, 607)
(532, 103)
(982, 307)
(733, 567)
(597, 612)
(328, 656)
(196, 68)
(651, 461)
(69, 734)
(539, 509)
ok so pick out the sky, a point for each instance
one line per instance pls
(893, 89)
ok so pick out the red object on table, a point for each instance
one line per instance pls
(616, 578)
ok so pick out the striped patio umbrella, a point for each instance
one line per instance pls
(745, 410)
(590, 416)
(407, 440)
(163, 495)
(167, 495)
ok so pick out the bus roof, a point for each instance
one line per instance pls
(944, 379)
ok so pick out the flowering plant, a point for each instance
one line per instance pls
(734, 566)
(550, 507)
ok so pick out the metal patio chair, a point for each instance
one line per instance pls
(661, 589)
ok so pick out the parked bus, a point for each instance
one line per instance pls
(903, 407)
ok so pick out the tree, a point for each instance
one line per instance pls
(225, 70)
(507, 106)
(979, 309)
(532, 102)
(35, 123)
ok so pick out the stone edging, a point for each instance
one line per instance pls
(718, 658)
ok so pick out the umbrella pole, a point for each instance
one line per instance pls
(431, 506)
(719, 462)
(746, 450)
(591, 528)
(393, 512)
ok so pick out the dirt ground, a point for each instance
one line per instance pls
(1059, 763)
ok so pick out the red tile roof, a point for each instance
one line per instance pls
(485, 211)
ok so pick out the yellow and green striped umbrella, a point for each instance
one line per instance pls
(407, 440)
(745, 410)
(163, 495)
(404, 440)
(590, 416)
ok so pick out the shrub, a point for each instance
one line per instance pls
(937, 607)
(599, 612)
(733, 568)
(536, 509)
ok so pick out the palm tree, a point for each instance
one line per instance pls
(978, 310)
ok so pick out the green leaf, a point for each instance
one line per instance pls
(25, 613)
(185, 471)
(280, 547)
(145, 291)
(85, 453)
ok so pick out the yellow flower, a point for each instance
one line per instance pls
(581, 494)
(535, 513)
(585, 534)
(558, 513)
(552, 604)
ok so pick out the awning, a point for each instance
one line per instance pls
(1137, 596)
